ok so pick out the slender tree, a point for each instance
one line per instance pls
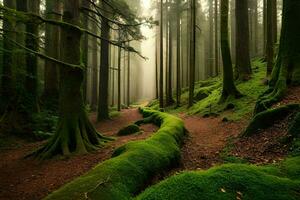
(128, 77)
(270, 37)
(178, 53)
(161, 68)
(216, 39)
(229, 88)
(193, 54)
(103, 110)
(7, 82)
(31, 82)
(243, 66)
(287, 67)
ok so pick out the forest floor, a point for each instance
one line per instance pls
(210, 142)
(28, 179)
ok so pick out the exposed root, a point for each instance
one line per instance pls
(73, 135)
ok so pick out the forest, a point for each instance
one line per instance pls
(150, 99)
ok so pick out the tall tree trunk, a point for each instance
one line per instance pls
(161, 58)
(75, 133)
(216, 39)
(103, 110)
(243, 66)
(170, 100)
(270, 37)
(31, 82)
(119, 78)
(7, 83)
(229, 88)
(53, 11)
(178, 53)
(193, 54)
(274, 23)
(287, 68)
(128, 77)
(233, 30)
(95, 66)
(264, 28)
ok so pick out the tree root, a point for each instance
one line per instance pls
(267, 118)
(74, 135)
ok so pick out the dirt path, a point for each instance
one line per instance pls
(27, 179)
(207, 138)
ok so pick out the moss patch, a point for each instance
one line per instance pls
(128, 130)
(132, 165)
(232, 181)
(210, 105)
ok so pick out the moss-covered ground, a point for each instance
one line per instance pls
(232, 181)
(209, 105)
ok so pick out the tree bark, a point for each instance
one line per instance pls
(169, 99)
(53, 11)
(31, 82)
(7, 81)
(103, 110)
(243, 66)
(178, 54)
(161, 58)
(216, 39)
(193, 54)
(229, 88)
(287, 67)
(270, 37)
(75, 133)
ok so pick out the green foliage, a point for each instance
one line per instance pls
(128, 130)
(231, 181)
(132, 165)
(251, 90)
(44, 124)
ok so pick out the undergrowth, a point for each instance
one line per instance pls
(232, 109)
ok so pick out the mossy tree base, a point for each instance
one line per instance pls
(268, 118)
(287, 69)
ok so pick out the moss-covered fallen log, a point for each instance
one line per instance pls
(269, 117)
(132, 165)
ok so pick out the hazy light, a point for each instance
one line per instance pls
(146, 4)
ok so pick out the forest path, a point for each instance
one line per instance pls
(28, 179)
(207, 138)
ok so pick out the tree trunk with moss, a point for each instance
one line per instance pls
(270, 37)
(287, 68)
(7, 82)
(75, 133)
(243, 65)
(53, 11)
(103, 110)
(229, 88)
(32, 42)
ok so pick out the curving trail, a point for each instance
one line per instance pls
(27, 179)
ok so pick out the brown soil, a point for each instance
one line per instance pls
(27, 179)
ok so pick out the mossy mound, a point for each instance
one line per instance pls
(128, 130)
(232, 181)
(268, 118)
(131, 166)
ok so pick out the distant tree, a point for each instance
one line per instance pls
(103, 105)
(216, 38)
(287, 67)
(193, 54)
(270, 37)
(178, 52)
(243, 66)
(229, 88)
(161, 67)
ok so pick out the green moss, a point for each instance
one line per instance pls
(294, 129)
(132, 165)
(230, 182)
(128, 130)
(267, 118)
(251, 90)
